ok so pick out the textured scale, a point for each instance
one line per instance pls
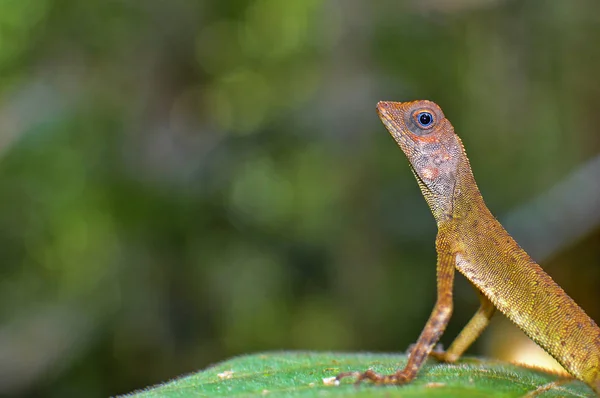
(472, 241)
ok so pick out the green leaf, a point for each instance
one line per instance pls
(301, 374)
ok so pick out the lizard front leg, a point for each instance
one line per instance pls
(433, 329)
(469, 333)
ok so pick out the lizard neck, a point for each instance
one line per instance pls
(466, 200)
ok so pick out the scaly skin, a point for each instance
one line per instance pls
(471, 240)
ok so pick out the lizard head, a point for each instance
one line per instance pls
(427, 139)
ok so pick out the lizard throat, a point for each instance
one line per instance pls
(440, 212)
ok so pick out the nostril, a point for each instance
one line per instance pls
(384, 106)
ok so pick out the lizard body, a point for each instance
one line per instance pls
(472, 241)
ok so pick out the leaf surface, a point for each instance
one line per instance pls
(302, 374)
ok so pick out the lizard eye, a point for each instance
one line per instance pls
(425, 119)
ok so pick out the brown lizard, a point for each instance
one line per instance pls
(471, 240)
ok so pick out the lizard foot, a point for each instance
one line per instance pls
(442, 356)
(437, 353)
(396, 378)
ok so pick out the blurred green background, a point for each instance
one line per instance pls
(184, 181)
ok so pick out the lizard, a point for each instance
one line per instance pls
(471, 240)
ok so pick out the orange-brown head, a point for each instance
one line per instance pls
(435, 153)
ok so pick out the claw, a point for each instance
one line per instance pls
(347, 374)
(376, 378)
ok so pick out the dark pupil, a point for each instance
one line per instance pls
(425, 118)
